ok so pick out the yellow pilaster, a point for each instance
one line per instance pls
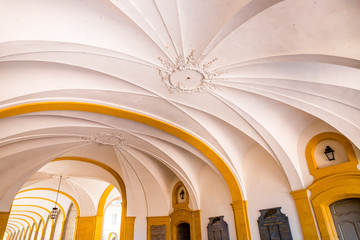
(85, 228)
(197, 224)
(123, 220)
(306, 216)
(241, 220)
(98, 227)
(163, 220)
(130, 222)
(4, 216)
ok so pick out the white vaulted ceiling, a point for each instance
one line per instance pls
(279, 69)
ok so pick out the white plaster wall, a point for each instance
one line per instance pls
(40, 230)
(58, 226)
(215, 200)
(267, 187)
(69, 232)
(48, 229)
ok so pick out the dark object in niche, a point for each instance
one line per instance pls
(274, 225)
(158, 232)
(218, 229)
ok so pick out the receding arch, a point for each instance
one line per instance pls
(117, 178)
(10, 225)
(99, 164)
(102, 201)
(23, 205)
(60, 192)
(24, 215)
(238, 204)
(15, 219)
(223, 168)
(45, 199)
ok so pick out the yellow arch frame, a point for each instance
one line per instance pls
(9, 233)
(11, 226)
(324, 194)
(332, 183)
(103, 198)
(24, 215)
(239, 205)
(323, 172)
(45, 199)
(53, 190)
(29, 225)
(62, 210)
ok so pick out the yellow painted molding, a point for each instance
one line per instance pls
(29, 205)
(8, 226)
(241, 220)
(115, 175)
(98, 227)
(16, 218)
(160, 220)
(232, 183)
(306, 217)
(102, 201)
(100, 212)
(45, 199)
(99, 164)
(223, 168)
(41, 217)
(23, 231)
(123, 220)
(85, 228)
(183, 214)
(9, 234)
(112, 235)
(60, 192)
(197, 224)
(327, 191)
(130, 225)
(175, 191)
(24, 215)
(4, 216)
(318, 173)
(14, 225)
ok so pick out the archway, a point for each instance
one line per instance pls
(238, 204)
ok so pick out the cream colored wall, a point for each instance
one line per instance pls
(58, 227)
(69, 227)
(267, 187)
(214, 200)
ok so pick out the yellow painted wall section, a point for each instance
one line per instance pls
(98, 227)
(130, 222)
(241, 220)
(85, 228)
(4, 216)
(197, 224)
(162, 220)
(306, 217)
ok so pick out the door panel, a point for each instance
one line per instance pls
(346, 216)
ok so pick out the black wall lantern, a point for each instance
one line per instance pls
(329, 152)
(55, 210)
(182, 193)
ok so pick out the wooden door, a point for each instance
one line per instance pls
(183, 231)
(346, 216)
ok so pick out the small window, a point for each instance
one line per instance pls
(114, 218)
